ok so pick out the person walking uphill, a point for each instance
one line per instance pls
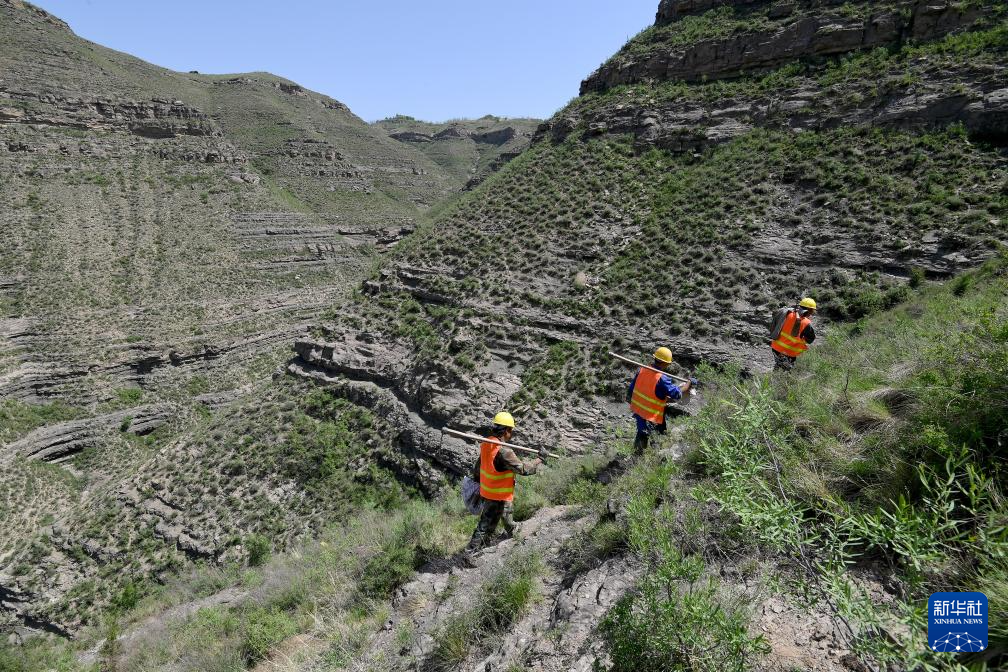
(495, 471)
(649, 394)
(791, 333)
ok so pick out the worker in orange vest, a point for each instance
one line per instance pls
(649, 394)
(495, 470)
(791, 333)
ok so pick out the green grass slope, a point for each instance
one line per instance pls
(857, 485)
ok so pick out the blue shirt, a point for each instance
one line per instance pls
(665, 389)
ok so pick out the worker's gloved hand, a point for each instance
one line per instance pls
(693, 382)
(542, 455)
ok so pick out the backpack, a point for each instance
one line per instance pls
(471, 496)
(777, 322)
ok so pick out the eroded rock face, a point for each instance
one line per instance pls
(945, 99)
(818, 34)
(55, 443)
(556, 634)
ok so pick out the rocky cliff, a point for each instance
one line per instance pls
(694, 41)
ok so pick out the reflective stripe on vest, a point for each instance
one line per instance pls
(789, 342)
(644, 402)
(496, 485)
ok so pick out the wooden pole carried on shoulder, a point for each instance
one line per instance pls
(481, 439)
(649, 368)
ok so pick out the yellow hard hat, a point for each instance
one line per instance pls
(663, 354)
(808, 303)
(504, 419)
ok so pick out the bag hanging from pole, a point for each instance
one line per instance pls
(471, 496)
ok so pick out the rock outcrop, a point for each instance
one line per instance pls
(61, 441)
(803, 30)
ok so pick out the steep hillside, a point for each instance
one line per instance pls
(677, 208)
(468, 149)
(797, 523)
(202, 203)
(166, 236)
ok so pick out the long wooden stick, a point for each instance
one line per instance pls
(481, 439)
(650, 368)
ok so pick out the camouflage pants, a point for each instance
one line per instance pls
(494, 512)
(782, 362)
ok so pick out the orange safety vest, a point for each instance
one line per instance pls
(644, 402)
(496, 485)
(789, 342)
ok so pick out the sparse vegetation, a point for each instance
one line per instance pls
(18, 418)
(502, 600)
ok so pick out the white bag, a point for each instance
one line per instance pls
(471, 496)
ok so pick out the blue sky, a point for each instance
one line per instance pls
(433, 59)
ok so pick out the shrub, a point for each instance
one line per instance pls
(264, 629)
(417, 538)
(662, 630)
(127, 598)
(129, 396)
(387, 570)
(962, 284)
(259, 549)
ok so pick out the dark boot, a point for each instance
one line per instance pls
(640, 444)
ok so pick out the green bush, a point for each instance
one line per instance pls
(259, 549)
(128, 396)
(417, 538)
(127, 598)
(264, 629)
(663, 630)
